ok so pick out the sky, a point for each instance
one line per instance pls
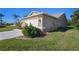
(25, 11)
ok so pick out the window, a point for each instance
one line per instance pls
(39, 22)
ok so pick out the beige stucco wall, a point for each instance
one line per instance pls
(62, 21)
(22, 23)
(34, 21)
(49, 23)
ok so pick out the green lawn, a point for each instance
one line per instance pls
(7, 28)
(56, 41)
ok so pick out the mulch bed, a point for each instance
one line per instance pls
(28, 38)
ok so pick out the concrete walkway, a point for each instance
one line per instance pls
(10, 34)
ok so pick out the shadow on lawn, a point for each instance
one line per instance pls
(61, 29)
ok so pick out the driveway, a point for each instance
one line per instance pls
(10, 34)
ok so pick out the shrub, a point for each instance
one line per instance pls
(31, 31)
(18, 26)
(69, 22)
(76, 26)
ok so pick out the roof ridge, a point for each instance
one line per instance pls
(58, 14)
(34, 12)
(53, 15)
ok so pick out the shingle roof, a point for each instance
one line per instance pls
(38, 13)
(54, 15)
(57, 15)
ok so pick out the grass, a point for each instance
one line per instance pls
(56, 41)
(7, 28)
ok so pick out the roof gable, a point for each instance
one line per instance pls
(34, 13)
(58, 15)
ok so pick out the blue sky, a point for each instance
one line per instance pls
(25, 11)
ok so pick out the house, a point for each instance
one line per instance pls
(2, 23)
(44, 21)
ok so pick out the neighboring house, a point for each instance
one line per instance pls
(2, 23)
(44, 21)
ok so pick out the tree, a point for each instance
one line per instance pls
(75, 16)
(15, 16)
(69, 22)
(1, 16)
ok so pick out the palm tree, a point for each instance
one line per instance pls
(1, 16)
(15, 16)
